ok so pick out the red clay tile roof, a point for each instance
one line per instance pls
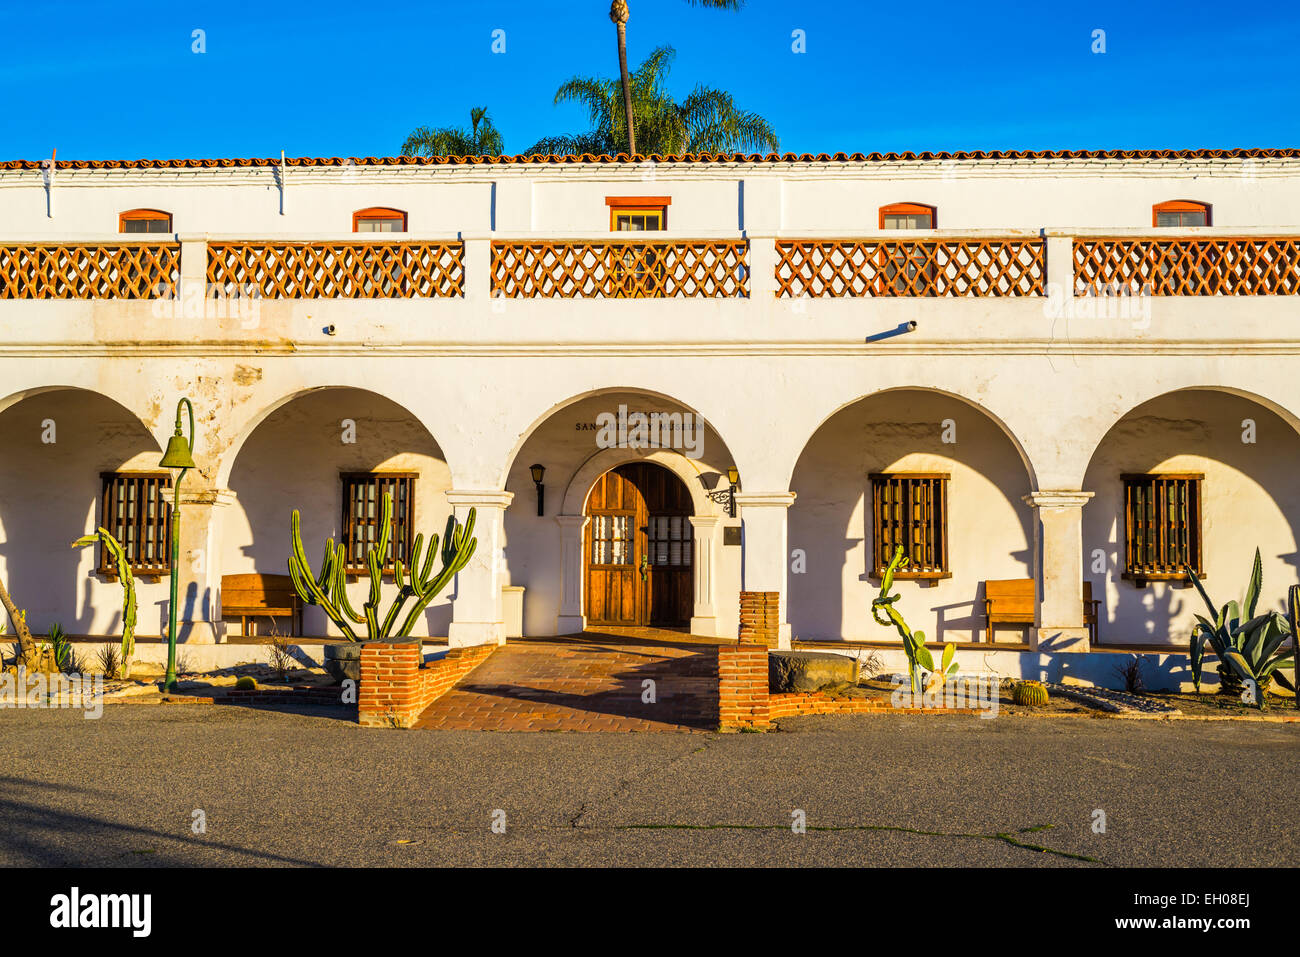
(656, 158)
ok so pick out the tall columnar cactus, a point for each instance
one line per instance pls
(127, 581)
(329, 589)
(918, 656)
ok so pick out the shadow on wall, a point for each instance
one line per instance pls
(56, 444)
(294, 459)
(831, 520)
(1250, 496)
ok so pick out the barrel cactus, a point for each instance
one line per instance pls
(1029, 694)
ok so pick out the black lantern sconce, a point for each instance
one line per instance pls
(539, 472)
(727, 496)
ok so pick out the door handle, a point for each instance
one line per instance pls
(645, 567)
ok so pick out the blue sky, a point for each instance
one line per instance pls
(104, 80)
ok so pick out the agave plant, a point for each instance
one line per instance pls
(918, 656)
(1248, 650)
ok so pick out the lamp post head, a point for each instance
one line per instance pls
(178, 454)
(733, 475)
(538, 471)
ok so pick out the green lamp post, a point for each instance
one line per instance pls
(179, 455)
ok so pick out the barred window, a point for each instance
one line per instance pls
(908, 270)
(363, 496)
(1180, 212)
(1162, 525)
(135, 510)
(379, 219)
(670, 541)
(144, 221)
(910, 509)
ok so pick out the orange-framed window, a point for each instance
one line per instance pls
(907, 216)
(144, 221)
(638, 213)
(379, 219)
(1180, 212)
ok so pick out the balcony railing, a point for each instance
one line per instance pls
(117, 270)
(942, 264)
(337, 270)
(1227, 266)
(647, 269)
(927, 267)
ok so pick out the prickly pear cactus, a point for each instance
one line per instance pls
(1029, 694)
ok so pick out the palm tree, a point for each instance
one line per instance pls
(619, 14)
(481, 139)
(707, 121)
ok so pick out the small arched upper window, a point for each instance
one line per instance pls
(379, 219)
(144, 221)
(1180, 212)
(907, 216)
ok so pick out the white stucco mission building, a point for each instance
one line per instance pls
(1076, 369)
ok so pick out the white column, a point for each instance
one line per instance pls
(572, 618)
(1058, 569)
(704, 617)
(764, 553)
(198, 615)
(476, 614)
(1060, 268)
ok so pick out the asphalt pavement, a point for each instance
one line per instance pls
(273, 789)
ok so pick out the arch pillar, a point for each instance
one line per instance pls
(704, 618)
(1058, 569)
(477, 617)
(764, 548)
(198, 616)
(572, 618)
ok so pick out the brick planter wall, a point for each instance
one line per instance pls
(396, 686)
(742, 687)
(760, 617)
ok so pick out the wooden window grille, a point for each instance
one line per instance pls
(144, 221)
(653, 268)
(379, 219)
(670, 539)
(611, 539)
(1162, 525)
(910, 509)
(1180, 212)
(363, 495)
(136, 511)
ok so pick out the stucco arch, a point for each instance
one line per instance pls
(689, 471)
(559, 406)
(240, 433)
(1104, 428)
(981, 409)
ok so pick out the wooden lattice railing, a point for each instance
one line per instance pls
(88, 271)
(921, 267)
(1231, 266)
(337, 270)
(646, 269)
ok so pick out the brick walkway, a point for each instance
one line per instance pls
(588, 682)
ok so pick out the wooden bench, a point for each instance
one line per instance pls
(1011, 602)
(260, 596)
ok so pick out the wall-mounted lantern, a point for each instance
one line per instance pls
(538, 473)
(727, 496)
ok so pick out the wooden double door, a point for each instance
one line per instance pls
(638, 548)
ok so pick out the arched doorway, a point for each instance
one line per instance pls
(638, 547)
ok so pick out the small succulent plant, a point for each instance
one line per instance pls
(1029, 694)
